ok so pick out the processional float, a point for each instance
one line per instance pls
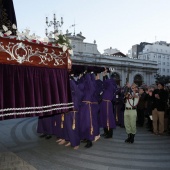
(34, 77)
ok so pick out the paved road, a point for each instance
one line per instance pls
(22, 149)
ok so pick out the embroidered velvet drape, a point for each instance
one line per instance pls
(26, 90)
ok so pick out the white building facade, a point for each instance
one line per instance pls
(138, 70)
(158, 52)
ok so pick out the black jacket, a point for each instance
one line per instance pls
(160, 104)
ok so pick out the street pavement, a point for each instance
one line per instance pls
(21, 148)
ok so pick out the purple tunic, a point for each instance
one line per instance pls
(89, 110)
(98, 98)
(72, 118)
(107, 118)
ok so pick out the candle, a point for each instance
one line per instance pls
(61, 19)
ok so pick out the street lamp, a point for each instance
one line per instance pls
(54, 23)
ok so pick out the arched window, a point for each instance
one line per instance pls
(116, 77)
(138, 80)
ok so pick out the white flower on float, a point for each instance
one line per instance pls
(14, 26)
(27, 36)
(56, 37)
(4, 28)
(60, 45)
(46, 40)
(70, 52)
(18, 33)
(1, 35)
(8, 33)
(56, 34)
(64, 48)
(27, 31)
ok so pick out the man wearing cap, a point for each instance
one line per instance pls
(159, 103)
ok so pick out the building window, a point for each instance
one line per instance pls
(163, 63)
(167, 63)
(163, 70)
(167, 70)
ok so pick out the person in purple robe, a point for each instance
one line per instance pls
(107, 118)
(98, 96)
(72, 118)
(88, 111)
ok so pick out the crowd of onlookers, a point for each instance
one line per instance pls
(158, 108)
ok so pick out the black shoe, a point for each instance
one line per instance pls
(89, 144)
(128, 139)
(108, 137)
(132, 138)
(42, 135)
(48, 137)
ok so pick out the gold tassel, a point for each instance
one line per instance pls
(62, 118)
(62, 125)
(91, 130)
(108, 125)
(73, 126)
(55, 123)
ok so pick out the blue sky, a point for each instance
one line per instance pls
(112, 23)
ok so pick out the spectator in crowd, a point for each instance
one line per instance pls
(158, 112)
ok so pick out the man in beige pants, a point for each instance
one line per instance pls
(158, 112)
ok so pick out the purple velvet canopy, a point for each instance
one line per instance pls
(27, 91)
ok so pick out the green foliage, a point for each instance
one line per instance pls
(164, 79)
(63, 40)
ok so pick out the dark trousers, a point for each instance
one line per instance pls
(140, 117)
